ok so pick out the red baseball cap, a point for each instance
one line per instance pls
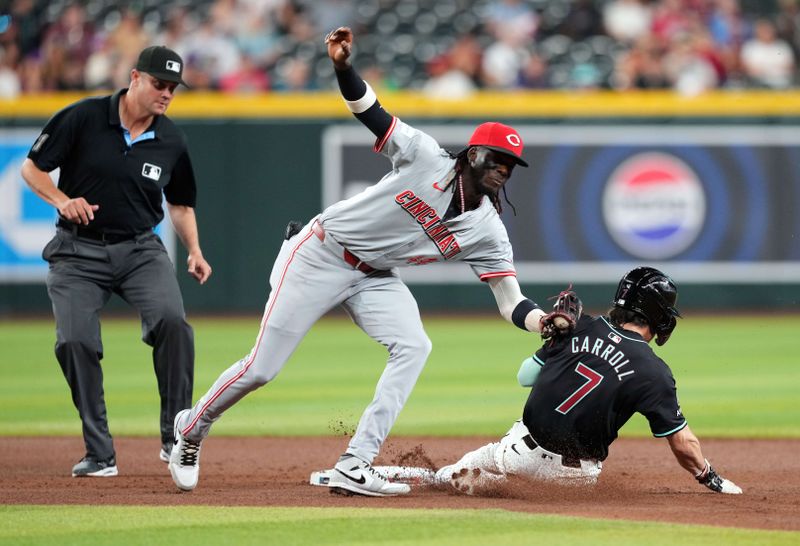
(500, 138)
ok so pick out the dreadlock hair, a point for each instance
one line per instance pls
(461, 160)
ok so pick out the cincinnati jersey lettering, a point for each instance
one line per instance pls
(430, 222)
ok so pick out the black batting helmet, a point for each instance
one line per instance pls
(652, 294)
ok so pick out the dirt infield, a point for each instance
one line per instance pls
(640, 481)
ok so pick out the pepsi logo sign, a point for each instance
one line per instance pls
(654, 205)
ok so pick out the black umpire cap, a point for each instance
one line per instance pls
(162, 63)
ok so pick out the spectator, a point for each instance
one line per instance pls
(248, 79)
(70, 54)
(294, 74)
(293, 22)
(446, 82)
(687, 68)
(582, 21)
(380, 79)
(178, 26)
(533, 74)
(670, 20)
(125, 41)
(504, 59)
(209, 50)
(787, 22)
(465, 55)
(729, 30)
(768, 61)
(30, 74)
(511, 16)
(257, 39)
(26, 25)
(99, 70)
(330, 13)
(455, 74)
(66, 47)
(627, 20)
(705, 47)
(10, 85)
(641, 67)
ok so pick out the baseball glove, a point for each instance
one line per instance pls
(562, 320)
(292, 229)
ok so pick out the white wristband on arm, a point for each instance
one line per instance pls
(362, 105)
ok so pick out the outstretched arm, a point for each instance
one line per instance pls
(513, 306)
(686, 448)
(359, 96)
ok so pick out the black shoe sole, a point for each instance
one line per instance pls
(341, 492)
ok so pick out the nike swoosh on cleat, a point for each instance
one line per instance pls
(361, 479)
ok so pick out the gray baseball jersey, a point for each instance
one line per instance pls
(396, 222)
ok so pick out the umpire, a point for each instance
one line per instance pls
(116, 155)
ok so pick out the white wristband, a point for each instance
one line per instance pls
(362, 104)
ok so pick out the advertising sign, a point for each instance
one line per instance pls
(707, 203)
(27, 223)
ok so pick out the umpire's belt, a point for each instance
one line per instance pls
(348, 256)
(572, 462)
(99, 235)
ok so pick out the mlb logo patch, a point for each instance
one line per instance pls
(153, 172)
(614, 337)
(174, 66)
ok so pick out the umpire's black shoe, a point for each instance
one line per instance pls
(90, 466)
(166, 449)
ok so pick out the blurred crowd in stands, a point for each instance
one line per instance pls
(447, 48)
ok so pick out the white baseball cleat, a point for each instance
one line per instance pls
(470, 481)
(351, 475)
(184, 461)
(321, 477)
(729, 488)
(444, 475)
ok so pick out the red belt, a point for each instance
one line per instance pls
(348, 256)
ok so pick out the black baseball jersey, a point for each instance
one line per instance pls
(591, 384)
(99, 163)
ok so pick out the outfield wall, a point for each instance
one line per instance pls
(706, 188)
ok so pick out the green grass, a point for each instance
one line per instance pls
(201, 525)
(736, 376)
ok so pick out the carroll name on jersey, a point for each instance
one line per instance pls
(602, 349)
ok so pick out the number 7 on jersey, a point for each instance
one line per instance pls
(593, 379)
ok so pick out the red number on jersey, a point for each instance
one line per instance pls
(592, 380)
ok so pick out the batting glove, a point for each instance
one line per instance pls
(717, 483)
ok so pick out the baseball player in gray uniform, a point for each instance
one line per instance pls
(432, 207)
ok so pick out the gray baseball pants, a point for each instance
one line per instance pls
(307, 280)
(82, 277)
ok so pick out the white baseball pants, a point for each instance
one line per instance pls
(511, 456)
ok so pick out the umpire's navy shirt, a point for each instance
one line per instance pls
(99, 163)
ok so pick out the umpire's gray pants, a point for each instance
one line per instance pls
(83, 275)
